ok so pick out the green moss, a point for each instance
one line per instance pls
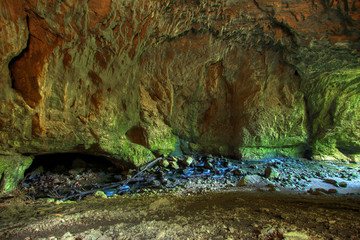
(355, 158)
(325, 150)
(277, 126)
(12, 169)
(258, 153)
(161, 140)
(333, 103)
(128, 151)
(195, 147)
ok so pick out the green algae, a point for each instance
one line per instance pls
(325, 150)
(331, 85)
(161, 140)
(259, 153)
(12, 169)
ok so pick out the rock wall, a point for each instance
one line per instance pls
(134, 79)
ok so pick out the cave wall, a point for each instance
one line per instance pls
(133, 79)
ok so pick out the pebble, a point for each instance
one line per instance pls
(332, 182)
(208, 165)
(250, 180)
(165, 163)
(271, 173)
(100, 194)
(174, 165)
(67, 236)
(332, 190)
(322, 191)
(342, 184)
(188, 161)
(239, 172)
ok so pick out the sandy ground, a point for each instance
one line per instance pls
(236, 214)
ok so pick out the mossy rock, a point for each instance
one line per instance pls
(334, 108)
(160, 139)
(355, 158)
(125, 150)
(259, 153)
(12, 169)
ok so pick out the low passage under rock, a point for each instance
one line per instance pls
(194, 174)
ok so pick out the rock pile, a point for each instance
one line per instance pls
(194, 174)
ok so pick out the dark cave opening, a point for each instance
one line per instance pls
(71, 175)
(63, 163)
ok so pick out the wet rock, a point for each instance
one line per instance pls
(156, 183)
(332, 190)
(322, 191)
(304, 177)
(272, 187)
(100, 194)
(320, 174)
(36, 172)
(317, 191)
(250, 180)
(208, 165)
(174, 165)
(271, 173)
(332, 182)
(188, 161)
(164, 163)
(239, 172)
(342, 184)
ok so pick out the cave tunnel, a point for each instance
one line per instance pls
(65, 162)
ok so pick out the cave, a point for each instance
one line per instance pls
(64, 162)
(172, 119)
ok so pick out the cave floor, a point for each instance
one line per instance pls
(236, 214)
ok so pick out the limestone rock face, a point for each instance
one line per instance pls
(130, 79)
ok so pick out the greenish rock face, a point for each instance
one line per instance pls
(334, 104)
(355, 158)
(12, 169)
(259, 153)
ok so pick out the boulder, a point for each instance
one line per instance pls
(271, 173)
(251, 180)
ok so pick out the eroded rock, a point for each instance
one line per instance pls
(128, 79)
